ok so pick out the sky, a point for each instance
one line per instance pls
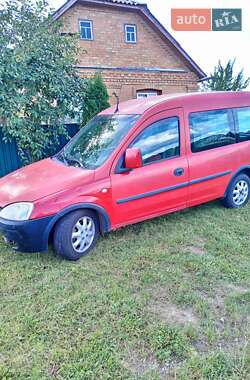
(206, 48)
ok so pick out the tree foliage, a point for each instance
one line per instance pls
(223, 79)
(39, 86)
(97, 98)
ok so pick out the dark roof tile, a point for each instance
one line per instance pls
(127, 2)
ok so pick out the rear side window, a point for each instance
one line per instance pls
(159, 141)
(243, 122)
(211, 129)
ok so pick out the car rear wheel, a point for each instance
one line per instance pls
(76, 234)
(238, 192)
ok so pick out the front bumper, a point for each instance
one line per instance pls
(27, 236)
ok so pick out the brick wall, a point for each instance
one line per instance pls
(109, 49)
(125, 84)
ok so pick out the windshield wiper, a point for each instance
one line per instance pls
(67, 159)
(71, 159)
(61, 156)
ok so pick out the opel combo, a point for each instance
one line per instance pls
(134, 161)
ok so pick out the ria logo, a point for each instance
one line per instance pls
(206, 19)
(227, 19)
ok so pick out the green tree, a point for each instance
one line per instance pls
(39, 85)
(224, 79)
(97, 98)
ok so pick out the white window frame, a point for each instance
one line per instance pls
(134, 32)
(146, 94)
(91, 30)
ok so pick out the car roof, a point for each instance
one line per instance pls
(139, 106)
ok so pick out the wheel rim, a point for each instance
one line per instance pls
(240, 192)
(83, 234)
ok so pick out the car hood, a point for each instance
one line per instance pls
(41, 179)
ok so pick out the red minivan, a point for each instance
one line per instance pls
(147, 158)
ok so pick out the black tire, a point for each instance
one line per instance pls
(63, 238)
(229, 200)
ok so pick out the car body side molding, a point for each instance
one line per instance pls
(171, 188)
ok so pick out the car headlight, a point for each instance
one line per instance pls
(17, 211)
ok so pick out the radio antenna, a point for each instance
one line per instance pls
(117, 102)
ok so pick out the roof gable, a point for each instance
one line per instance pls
(145, 12)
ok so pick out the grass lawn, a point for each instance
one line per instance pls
(164, 299)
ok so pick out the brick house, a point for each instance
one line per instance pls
(135, 54)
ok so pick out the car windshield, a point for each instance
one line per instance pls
(95, 142)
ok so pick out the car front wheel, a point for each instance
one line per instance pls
(76, 234)
(238, 192)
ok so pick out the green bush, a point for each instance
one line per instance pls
(96, 98)
(39, 86)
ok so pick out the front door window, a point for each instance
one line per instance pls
(159, 141)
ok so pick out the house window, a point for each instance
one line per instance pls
(86, 30)
(130, 34)
(143, 94)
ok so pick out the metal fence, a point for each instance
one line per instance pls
(9, 159)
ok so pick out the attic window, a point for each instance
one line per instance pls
(86, 30)
(130, 34)
(143, 94)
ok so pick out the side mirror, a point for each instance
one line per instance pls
(133, 158)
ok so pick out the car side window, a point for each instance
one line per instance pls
(159, 141)
(211, 129)
(243, 121)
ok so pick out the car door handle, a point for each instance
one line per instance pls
(179, 172)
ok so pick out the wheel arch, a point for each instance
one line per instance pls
(242, 170)
(104, 220)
